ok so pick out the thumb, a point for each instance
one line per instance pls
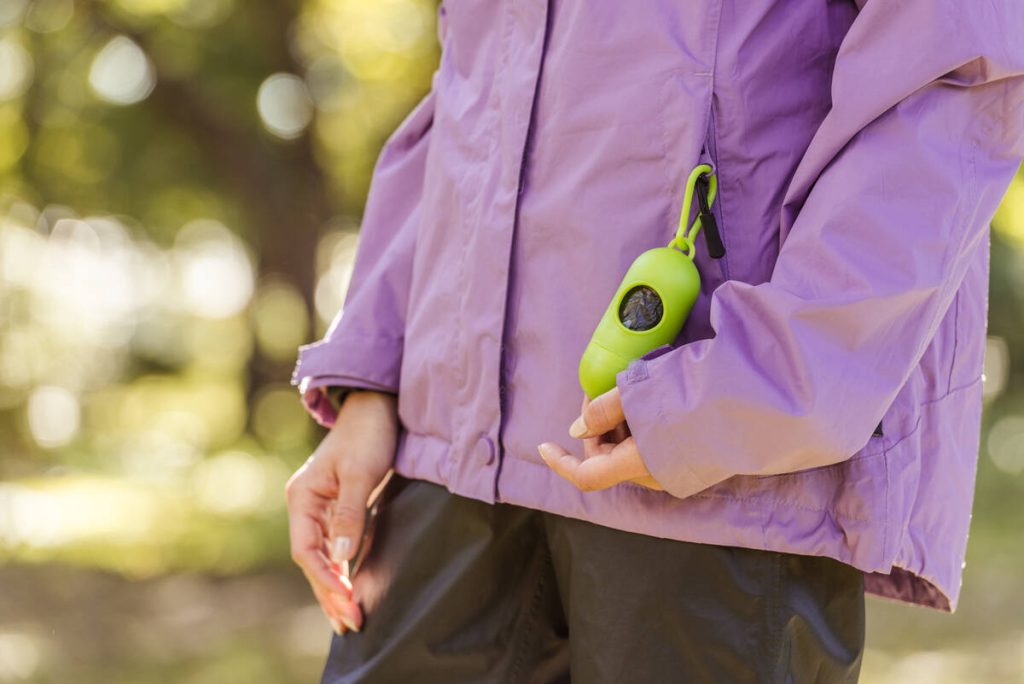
(348, 518)
(600, 415)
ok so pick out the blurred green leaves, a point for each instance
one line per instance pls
(180, 187)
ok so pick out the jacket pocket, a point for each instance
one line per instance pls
(686, 118)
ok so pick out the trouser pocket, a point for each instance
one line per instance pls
(647, 609)
(453, 590)
(816, 630)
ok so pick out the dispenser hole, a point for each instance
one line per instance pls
(641, 309)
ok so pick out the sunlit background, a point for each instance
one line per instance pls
(180, 189)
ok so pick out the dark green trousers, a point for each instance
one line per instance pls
(457, 590)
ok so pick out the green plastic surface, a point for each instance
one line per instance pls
(671, 273)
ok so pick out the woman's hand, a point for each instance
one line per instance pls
(610, 453)
(328, 495)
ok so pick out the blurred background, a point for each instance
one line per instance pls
(180, 188)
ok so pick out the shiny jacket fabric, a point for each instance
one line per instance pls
(861, 150)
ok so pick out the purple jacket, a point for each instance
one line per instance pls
(861, 150)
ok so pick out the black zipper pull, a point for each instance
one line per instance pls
(716, 248)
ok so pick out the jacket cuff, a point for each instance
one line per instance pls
(350, 361)
(651, 424)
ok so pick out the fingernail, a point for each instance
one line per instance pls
(339, 549)
(336, 625)
(349, 623)
(578, 428)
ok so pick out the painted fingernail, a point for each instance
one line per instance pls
(349, 623)
(337, 626)
(578, 428)
(340, 548)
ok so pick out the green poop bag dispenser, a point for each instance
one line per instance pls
(654, 298)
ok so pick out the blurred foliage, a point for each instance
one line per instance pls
(180, 188)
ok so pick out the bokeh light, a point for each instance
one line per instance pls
(278, 420)
(215, 269)
(1006, 444)
(15, 69)
(201, 14)
(280, 318)
(285, 105)
(997, 367)
(19, 656)
(121, 73)
(11, 11)
(49, 16)
(53, 416)
(335, 258)
(238, 483)
(15, 136)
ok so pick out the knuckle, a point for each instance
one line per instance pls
(293, 486)
(353, 473)
(347, 512)
(598, 419)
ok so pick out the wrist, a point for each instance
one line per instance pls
(367, 402)
(364, 395)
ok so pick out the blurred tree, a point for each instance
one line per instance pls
(165, 112)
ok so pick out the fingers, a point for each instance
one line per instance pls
(348, 517)
(333, 591)
(347, 520)
(601, 414)
(305, 513)
(306, 544)
(327, 499)
(349, 613)
(608, 466)
(343, 615)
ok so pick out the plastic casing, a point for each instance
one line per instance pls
(670, 273)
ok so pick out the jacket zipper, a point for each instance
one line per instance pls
(716, 248)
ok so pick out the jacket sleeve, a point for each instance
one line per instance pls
(890, 201)
(362, 347)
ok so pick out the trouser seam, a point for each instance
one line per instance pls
(773, 639)
(531, 617)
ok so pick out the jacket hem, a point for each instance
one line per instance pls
(757, 523)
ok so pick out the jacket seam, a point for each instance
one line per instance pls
(361, 333)
(533, 608)
(521, 176)
(972, 192)
(783, 503)
(886, 527)
(956, 340)
(712, 135)
(664, 141)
